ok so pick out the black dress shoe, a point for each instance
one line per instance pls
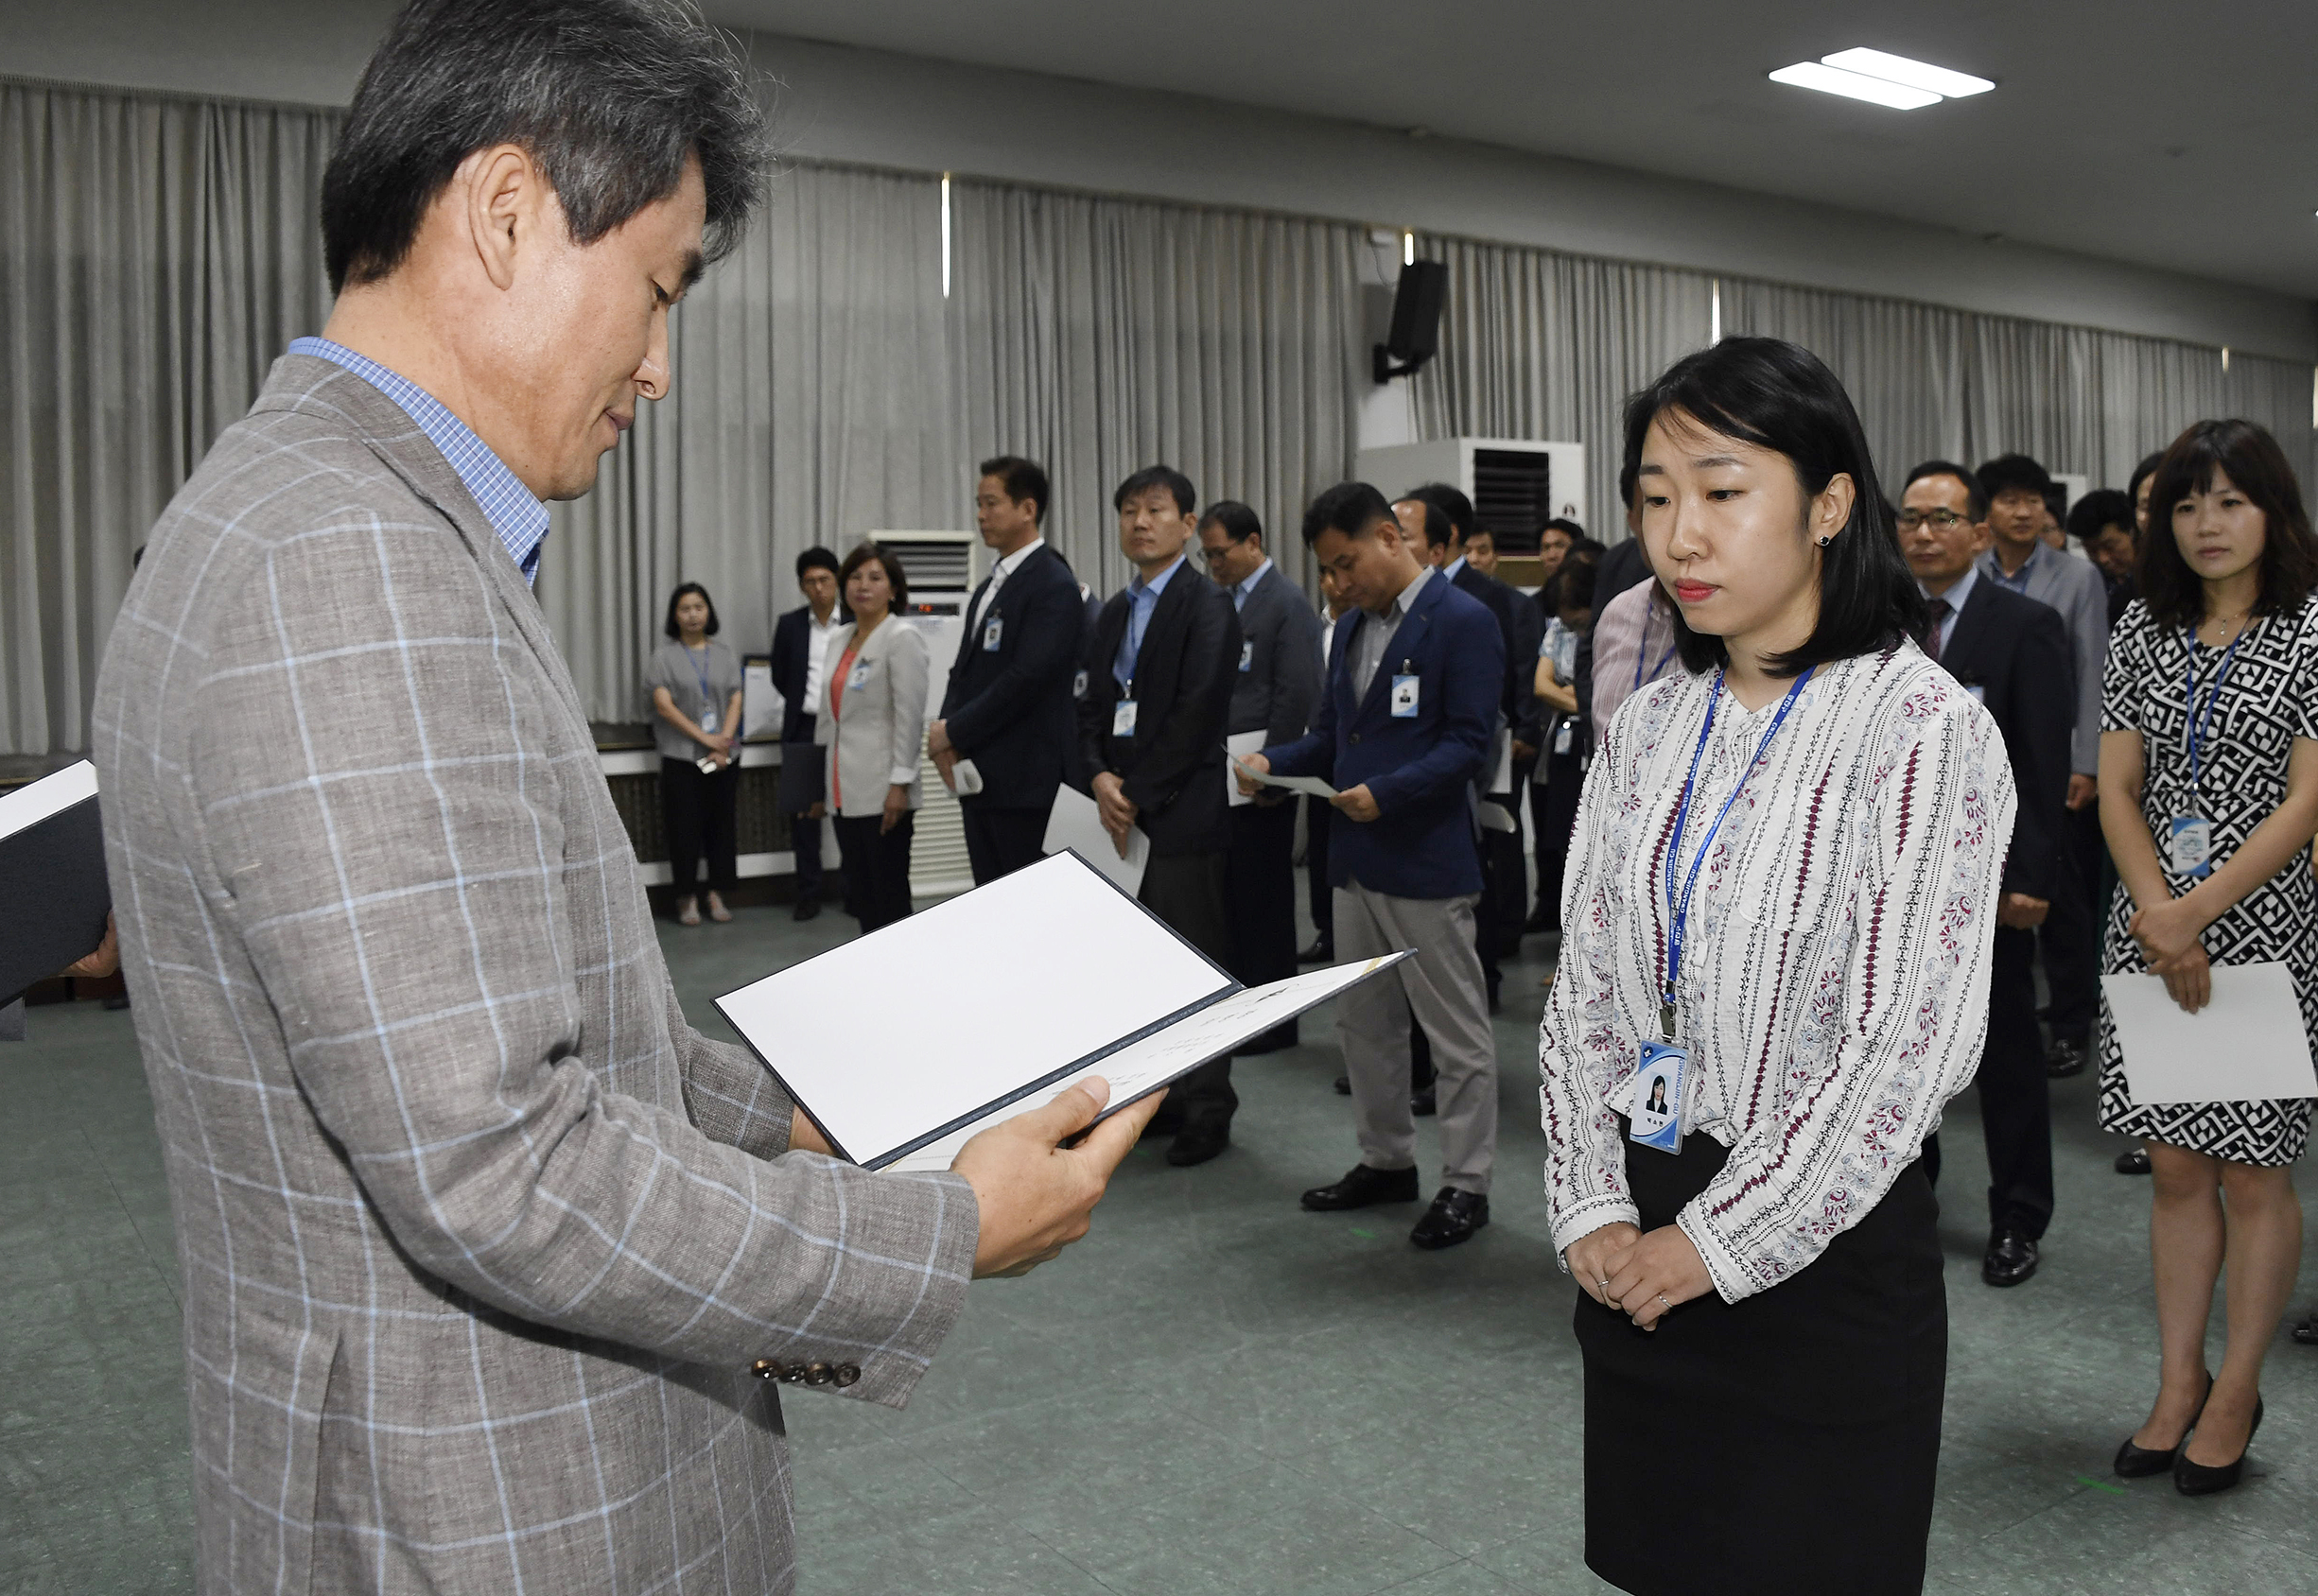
(1423, 1104)
(1344, 1085)
(2307, 1331)
(1453, 1217)
(1168, 1122)
(2064, 1059)
(1362, 1189)
(1196, 1144)
(2009, 1259)
(2135, 1161)
(806, 908)
(2139, 1463)
(1322, 951)
(2196, 1479)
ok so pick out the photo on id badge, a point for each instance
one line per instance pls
(1656, 1119)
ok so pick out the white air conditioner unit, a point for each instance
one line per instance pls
(1516, 485)
(943, 568)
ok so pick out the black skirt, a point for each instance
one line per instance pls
(1785, 1443)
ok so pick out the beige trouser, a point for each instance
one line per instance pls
(1442, 985)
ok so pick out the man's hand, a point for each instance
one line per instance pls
(105, 961)
(1358, 804)
(937, 741)
(1257, 763)
(946, 766)
(819, 811)
(2083, 790)
(1590, 1256)
(1037, 1196)
(2020, 912)
(1117, 810)
(1656, 1274)
(1524, 751)
(806, 1136)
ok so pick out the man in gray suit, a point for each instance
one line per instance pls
(1272, 698)
(2020, 560)
(491, 1266)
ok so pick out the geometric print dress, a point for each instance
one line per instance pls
(2269, 699)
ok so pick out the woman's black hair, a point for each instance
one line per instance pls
(2256, 467)
(895, 577)
(671, 627)
(1780, 397)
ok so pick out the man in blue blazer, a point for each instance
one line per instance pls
(1403, 731)
(1007, 713)
(2013, 654)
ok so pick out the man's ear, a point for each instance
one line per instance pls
(507, 201)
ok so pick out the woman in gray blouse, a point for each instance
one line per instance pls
(696, 688)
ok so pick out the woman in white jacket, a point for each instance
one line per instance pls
(872, 720)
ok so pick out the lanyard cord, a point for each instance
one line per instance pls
(1679, 913)
(2199, 723)
(1641, 649)
(708, 694)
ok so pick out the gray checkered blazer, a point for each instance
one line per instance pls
(480, 1242)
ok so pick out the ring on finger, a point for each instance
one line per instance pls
(1661, 1298)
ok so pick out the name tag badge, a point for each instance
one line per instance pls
(707, 721)
(1248, 653)
(1123, 719)
(1403, 698)
(1656, 1119)
(1078, 685)
(861, 675)
(1979, 692)
(992, 630)
(2192, 843)
(1566, 736)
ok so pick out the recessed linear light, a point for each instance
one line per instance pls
(1915, 74)
(1855, 85)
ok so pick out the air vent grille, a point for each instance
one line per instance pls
(1512, 496)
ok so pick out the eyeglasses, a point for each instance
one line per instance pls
(1218, 556)
(1941, 520)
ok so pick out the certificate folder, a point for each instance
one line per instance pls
(52, 896)
(903, 1044)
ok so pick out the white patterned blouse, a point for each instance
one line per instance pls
(1834, 985)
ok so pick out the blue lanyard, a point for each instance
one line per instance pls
(708, 695)
(1678, 914)
(1656, 669)
(2198, 722)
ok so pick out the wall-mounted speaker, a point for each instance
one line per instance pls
(1415, 336)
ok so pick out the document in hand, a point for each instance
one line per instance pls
(1076, 822)
(1312, 784)
(2245, 1045)
(903, 1044)
(52, 896)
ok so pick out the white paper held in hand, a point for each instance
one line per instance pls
(1312, 784)
(1075, 823)
(2245, 1045)
(1239, 745)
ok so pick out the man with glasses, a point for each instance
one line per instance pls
(2012, 655)
(2020, 560)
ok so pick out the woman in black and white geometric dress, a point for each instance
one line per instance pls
(2222, 653)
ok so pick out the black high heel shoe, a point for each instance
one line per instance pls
(2195, 1478)
(2139, 1463)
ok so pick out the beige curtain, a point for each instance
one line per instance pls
(1099, 336)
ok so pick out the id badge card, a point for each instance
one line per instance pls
(708, 720)
(1565, 737)
(859, 677)
(1248, 653)
(1403, 698)
(1656, 1119)
(1123, 719)
(2190, 838)
(992, 630)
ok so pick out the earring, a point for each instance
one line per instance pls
(1826, 541)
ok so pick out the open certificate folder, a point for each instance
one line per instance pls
(905, 1043)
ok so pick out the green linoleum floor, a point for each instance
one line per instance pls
(1214, 1392)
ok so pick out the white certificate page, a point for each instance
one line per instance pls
(890, 1038)
(2246, 1046)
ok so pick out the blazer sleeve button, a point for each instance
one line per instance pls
(818, 1374)
(793, 1374)
(765, 1368)
(1355, 736)
(848, 1374)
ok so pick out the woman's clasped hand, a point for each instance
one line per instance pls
(1643, 1276)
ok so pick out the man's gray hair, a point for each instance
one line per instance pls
(609, 96)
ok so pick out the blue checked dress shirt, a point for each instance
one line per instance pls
(1248, 586)
(518, 517)
(1141, 598)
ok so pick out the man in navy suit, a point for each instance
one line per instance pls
(2013, 654)
(1415, 681)
(1159, 674)
(1007, 715)
(800, 649)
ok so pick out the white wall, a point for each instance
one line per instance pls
(888, 109)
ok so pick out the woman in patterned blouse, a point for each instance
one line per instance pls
(2226, 631)
(1764, 1322)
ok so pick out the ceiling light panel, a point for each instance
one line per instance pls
(1915, 73)
(1855, 85)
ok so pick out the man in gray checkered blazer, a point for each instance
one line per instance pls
(491, 1266)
